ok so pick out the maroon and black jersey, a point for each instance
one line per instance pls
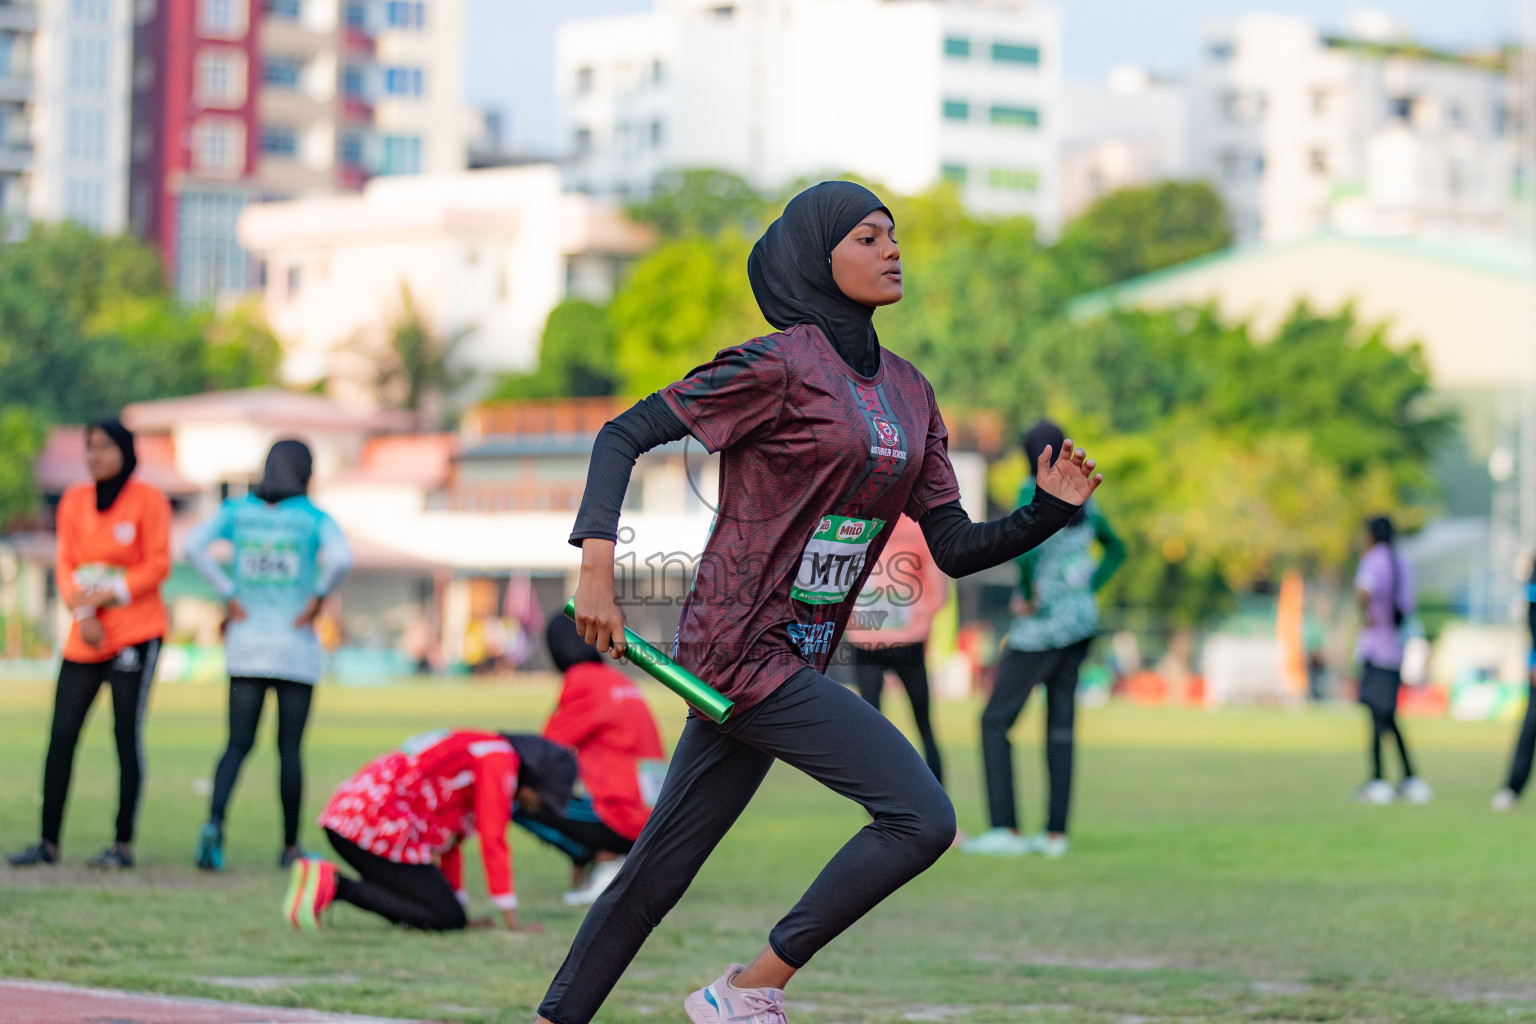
(817, 463)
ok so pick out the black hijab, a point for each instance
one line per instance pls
(1035, 439)
(566, 646)
(289, 465)
(791, 270)
(545, 767)
(108, 490)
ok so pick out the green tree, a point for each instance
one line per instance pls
(1135, 231)
(680, 305)
(417, 363)
(576, 356)
(22, 433)
(701, 201)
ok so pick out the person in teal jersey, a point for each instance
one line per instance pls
(288, 555)
(1056, 617)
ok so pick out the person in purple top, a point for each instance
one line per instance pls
(1384, 588)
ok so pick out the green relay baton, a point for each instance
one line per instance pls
(709, 701)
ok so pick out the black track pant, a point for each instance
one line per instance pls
(1379, 688)
(246, 697)
(415, 895)
(1017, 675)
(910, 663)
(1525, 747)
(129, 674)
(829, 733)
(1384, 723)
(578, 833)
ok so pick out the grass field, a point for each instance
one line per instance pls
(1219, 873)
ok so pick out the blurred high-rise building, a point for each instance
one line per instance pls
(905, 94)
(64, 135)
(1364, 132)
(1130, 129)
(237, 101)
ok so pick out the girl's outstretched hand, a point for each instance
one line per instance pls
(1072, 478)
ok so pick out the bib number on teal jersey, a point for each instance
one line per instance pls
(833, 559)
(269, 562)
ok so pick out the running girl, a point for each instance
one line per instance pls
(288, 556)
(825, 440)
(400, 822)
(114, 552)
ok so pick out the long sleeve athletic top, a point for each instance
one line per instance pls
(126, 548)
(285, 554)
(959, 546)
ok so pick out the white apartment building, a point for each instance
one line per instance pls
(78, 139)
(903, 93)
(1130, 129)
(420, 119)
(1303, 131)
(488, 253)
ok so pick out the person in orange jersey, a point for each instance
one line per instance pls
(113, 553)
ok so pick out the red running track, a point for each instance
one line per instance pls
(40, 1002)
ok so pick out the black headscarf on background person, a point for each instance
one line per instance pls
(566, 646)
(289, 465)
(1034, 441)
(791, 270)
(545, 767)
(108, 490)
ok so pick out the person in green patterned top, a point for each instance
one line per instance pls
(1056, 615)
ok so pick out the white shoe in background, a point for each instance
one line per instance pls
(603, 875)
(1415, 790)
(1504, 799)
(1048, 845)
(997, 842)
(1377, 791)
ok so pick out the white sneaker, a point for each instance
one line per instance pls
(998, 842)
(1377, 791)
(1415, 790)
(603, 875)
(1048, 845)
(1504, 799)
(724, 1003)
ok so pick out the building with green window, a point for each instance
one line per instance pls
(766, 88)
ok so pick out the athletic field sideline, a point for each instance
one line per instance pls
(1219, 873)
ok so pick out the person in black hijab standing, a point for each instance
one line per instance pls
(289, 556)
(825, 440)
(114, 551)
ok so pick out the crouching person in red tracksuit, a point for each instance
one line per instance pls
(603, 716)
(401, 820)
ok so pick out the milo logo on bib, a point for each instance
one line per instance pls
(833, 559)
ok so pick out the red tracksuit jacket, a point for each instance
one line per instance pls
(604, 717)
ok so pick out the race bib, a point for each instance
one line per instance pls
(269, 562)
(833, 559)
(98, 576)
(652, 773)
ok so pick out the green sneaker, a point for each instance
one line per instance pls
(210, 848)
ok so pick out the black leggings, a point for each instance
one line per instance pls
(910, 663)
(1017, 675)
(246, 697)
(1525, 747)
(415, 895)
(578, 833)
(829, 733)
(129, 674)
(1379, 688)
